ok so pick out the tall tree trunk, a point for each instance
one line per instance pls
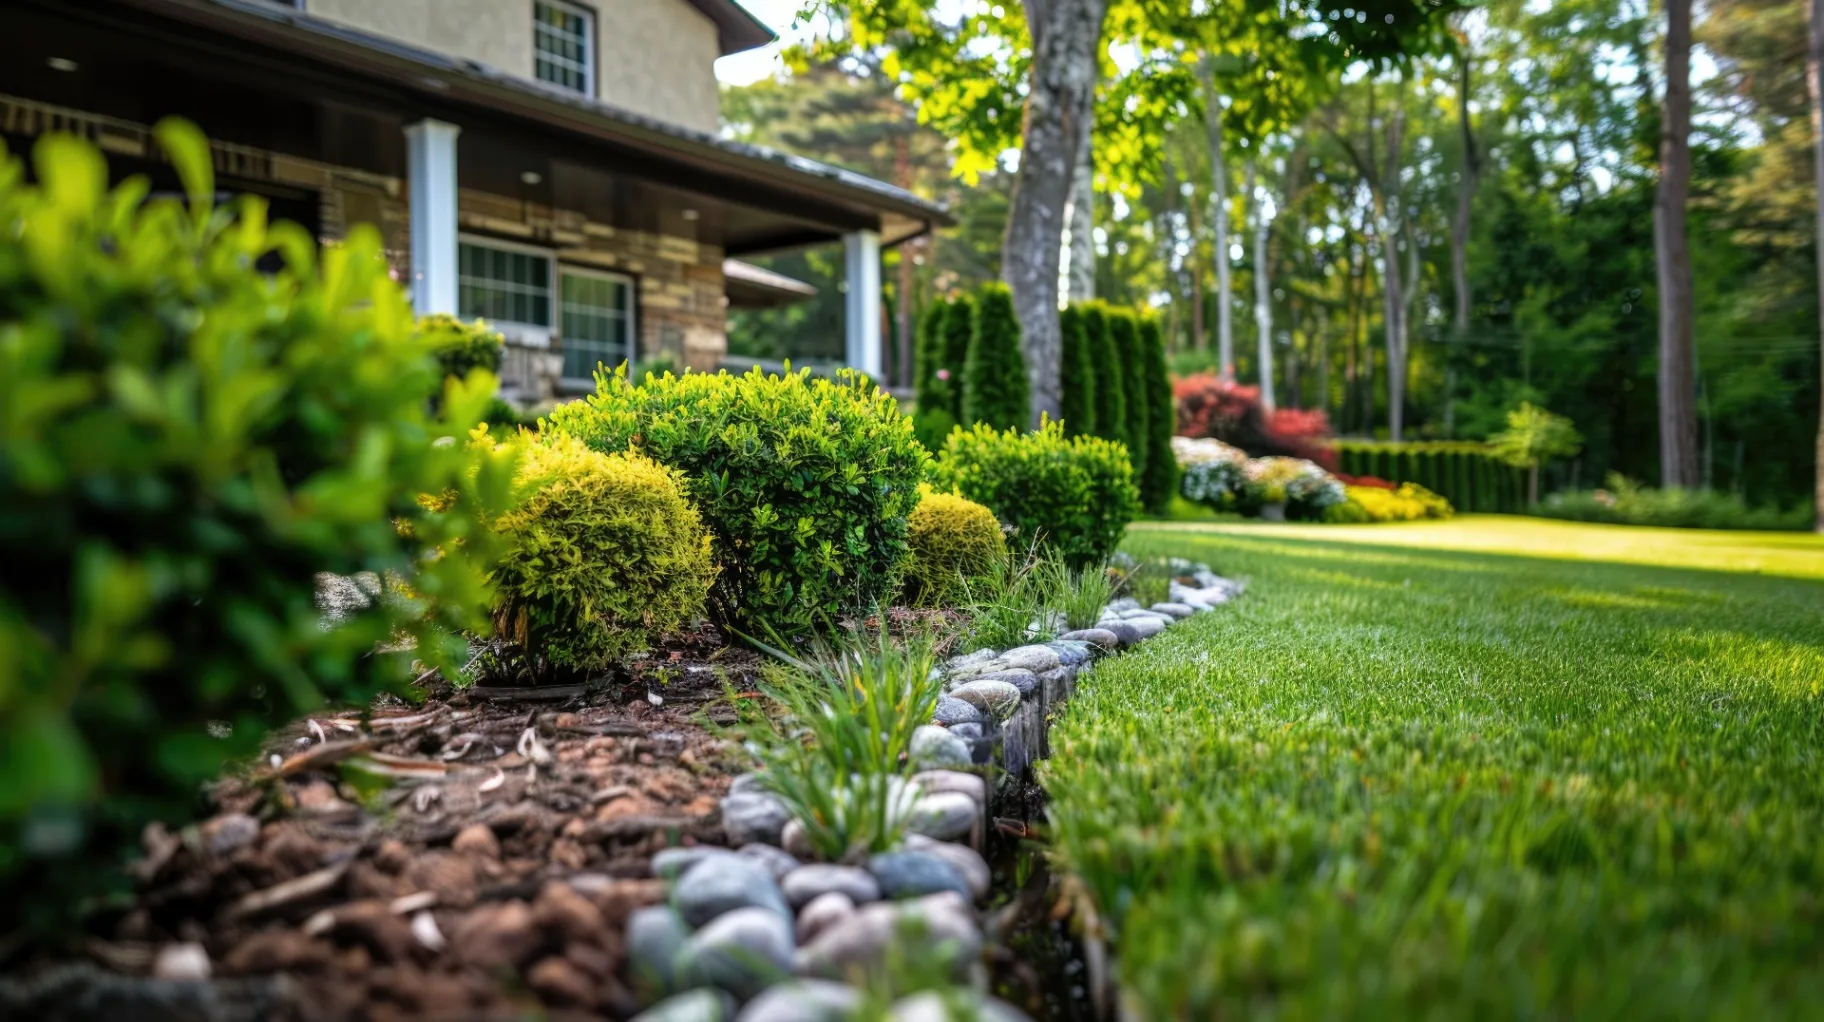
(1066, 35)
(902, 176)
(1459, 240)
(1677, 348)
(1814, 77)
(1263, 289)
(1082, 221)
(1219, 208)
(1195, 272)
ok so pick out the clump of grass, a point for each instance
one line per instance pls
(1004, 603)
(1149, 582)
(1077, 594)
(834, 739)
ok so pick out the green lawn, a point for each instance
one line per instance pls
(1489, 768)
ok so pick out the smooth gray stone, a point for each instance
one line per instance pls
(807, 883)
(969, 661)
(1098, 637)
(1124, 603)
(1030, 658)
(916, 874)
(669, 863)
(862, 941)
(1019, 678)
(951, 710)
(1072, 652)
(742, 952)
(996, 698)
(1146, 626)
(1125, 632)
(1177, 610)
(1140, 615)
(722, 884)
(655, 947)
(944, 815)
(777, 861)
(930, 1006)
(692, 1006)
(803, 1000)
(752, 816)
(752, 782)
(935, 748)
(824, 911)
(934, 781)
(968, 732)
(967, 860)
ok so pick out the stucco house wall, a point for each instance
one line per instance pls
(495, 32)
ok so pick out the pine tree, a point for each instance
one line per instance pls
(1124, 329)
(1076, 376)
(958, 327)
(995, 388)
(1110, 390)
(1161, 478)
(937, 384)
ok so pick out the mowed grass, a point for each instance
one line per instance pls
(1490, 768)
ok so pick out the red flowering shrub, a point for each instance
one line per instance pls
(1373, 482)
(1210, 407)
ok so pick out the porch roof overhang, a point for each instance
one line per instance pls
(754, 287)
(808, 203)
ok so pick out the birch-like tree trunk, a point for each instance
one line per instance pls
(1219, 202)
(1081, 256)
(1263, 287)
(1814, 77)
(1066, 35)
(1677, 347)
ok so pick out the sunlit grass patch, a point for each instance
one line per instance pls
(1407, 779)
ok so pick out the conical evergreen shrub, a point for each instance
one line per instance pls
(958, 326)
(1124, 329)
(937, 381)
(1078, 405)
(1160, 480)
(995, 389)
(1105, 366)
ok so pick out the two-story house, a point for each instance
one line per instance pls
(552, 166)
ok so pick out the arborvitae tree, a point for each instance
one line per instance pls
(1161, 478)
(937, 382)
(995, 388)
(1076, 374)
(1105, 365)
(1125, 331)
(958, 327)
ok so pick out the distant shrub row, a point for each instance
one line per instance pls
(1467, 474)
(1624, 502)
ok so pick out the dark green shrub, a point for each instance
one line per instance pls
(956, 328)
(955, 543)
(804, 483)
(1073, 496)
(995, 389)
(1625, 502)
(1159, 480)
(186, 443)
(1466, 473)
(462, 347)
(1076, 373)
(1110, 373)
(1124, 334)
(602, 554)
(937, 381)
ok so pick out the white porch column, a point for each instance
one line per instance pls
(861, 306)
(430, 148)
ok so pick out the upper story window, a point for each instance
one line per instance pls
(563, 50)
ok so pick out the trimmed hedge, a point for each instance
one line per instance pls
(1076, 373)
(1072, 495)
(957, 329)
(1124, 334)
(1465, 473)
(954, 542)
(805, 483)
(1159, 479)
(1106, 365)
(937, 380)
(996, 391)
(603, 554)
(187, 443)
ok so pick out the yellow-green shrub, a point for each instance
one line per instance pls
(954, 541)
(603, 554)
(1410, 503)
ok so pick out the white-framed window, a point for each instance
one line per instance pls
(563, 45)
(597, 322)
(526, 294)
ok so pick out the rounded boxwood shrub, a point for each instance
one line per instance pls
(602, 554)
(805, 483)
(462, 347)
(995, 388)
(1072, 495)
(187, 443)
(954, 541)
